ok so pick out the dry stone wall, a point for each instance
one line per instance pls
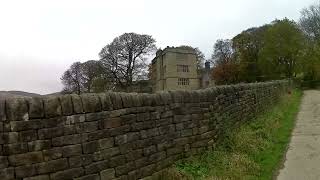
(120, 135)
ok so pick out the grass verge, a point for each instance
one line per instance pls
(252, 151)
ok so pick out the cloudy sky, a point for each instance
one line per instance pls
(39, 39)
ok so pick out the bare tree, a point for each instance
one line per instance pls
(72, 80)
(91, 71)
(125, 57)
(310, 21)
(89, 76)
(222, 51)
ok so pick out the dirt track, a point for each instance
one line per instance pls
(303, 156)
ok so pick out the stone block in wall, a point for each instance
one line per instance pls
(124, 169)
(116, 100)
(146, 99)
(73, 119)
(52, 154)
(10, 137)
(39, 145)
(177, 96)
(81, 160)
(26, 158)
(111, 123)
(29, 135)
(96, 167)
(26, 171)
(48, 133)
(149, 133)
(25, 125)
(126, 100)
(17, 109)
(52, 166)
(39, 177)
(107, 174)
(156, 157)
(87, 127)
(7, 173)
(91, 103)
(117, 161)
(77, 103)
(67, 174)
(147, 170)
(71, 150)
(2, 111)
(66, 104)
(134, 155)
(106, 103)
(136, 99)
(3, 162)
(17, 148)
(36, 108)
(66, 140)
(52, 106)
(165, 98)
(89, 177)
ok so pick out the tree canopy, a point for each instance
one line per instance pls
(125, 57)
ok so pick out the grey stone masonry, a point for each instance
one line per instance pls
(120, 135)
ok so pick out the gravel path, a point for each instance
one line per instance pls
(303, 156)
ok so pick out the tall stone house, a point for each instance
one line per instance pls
(175, 68)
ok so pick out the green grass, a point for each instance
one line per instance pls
(253, 151)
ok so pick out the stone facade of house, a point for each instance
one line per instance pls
(175, 68)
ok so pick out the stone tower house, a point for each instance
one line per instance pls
(175, 68)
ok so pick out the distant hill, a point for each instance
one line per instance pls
(11, 94)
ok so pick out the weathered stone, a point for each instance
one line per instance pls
(83, 160)
(26, 171)
(116, 100)
(87, 127)
(66, 104)
(36, 109)
(26, 136)
(40, 177)
(49, 133)
(17, 109)
(126, 100)
(105, 101)
(107, 174)
(39, 145)
(117, 161)
(77, 103)
(7, 173)
(106, 143)
(10, 137)
(18, 148)
(71, 150)
(26, 158)
(149, 133)
(25, 125)
(66, 140)
(91, 102)
(96, 167)
(111, 123)
(3, 162)
(52, 166)
(89, 177)
(3, 116)
(51, 154)
(67, 174)
(53, 122)
(52, 106)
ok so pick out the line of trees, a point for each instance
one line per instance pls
(281, 49)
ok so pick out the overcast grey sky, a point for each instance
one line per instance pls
(39, 39)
